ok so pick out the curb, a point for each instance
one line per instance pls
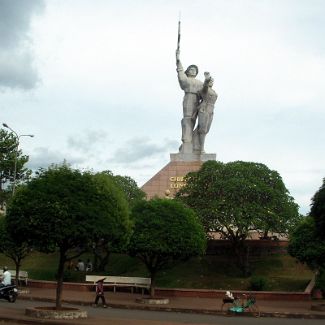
(186, 292)
(32, 321)
(183, 310)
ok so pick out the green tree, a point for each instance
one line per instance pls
(305, 244)
(130, 189)
(16, 248)
(67, 210)
(307, 240)
(239, 197)
(102, 248)
(164, 230)
(318, 210)
(8, 147)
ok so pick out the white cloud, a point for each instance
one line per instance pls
(44, 157)
(141, 149)
(108, 75)
(17, 68)
(87, 141)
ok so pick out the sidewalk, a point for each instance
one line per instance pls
(292, 309)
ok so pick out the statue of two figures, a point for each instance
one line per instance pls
(198, 106)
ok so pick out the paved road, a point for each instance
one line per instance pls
(116, 316)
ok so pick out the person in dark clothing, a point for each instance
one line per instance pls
(100, 292)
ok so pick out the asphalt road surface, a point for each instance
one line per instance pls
(143, 317)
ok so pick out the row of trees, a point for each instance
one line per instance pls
(73, 212)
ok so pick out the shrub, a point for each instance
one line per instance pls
(258, 283)
(320, 280)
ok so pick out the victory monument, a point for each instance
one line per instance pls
(198, 105)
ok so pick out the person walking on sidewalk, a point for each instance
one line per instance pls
(100, 292)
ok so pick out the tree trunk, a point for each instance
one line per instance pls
(153, 283)
(103, 262)
(17, 264)
(246, 260)
(95, 265)
(60, 280)
(101, 257)
(242, 253)
(265, 235)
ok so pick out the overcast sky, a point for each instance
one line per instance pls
(95, 82)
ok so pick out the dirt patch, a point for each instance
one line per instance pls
(51, 312)
(153, 301)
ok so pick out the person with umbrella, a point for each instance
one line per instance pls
(100, 292)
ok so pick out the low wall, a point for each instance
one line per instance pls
(260, 295)
(257, 248)
(179, 292)
(66, 285)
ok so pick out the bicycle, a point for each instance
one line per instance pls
(246, 304)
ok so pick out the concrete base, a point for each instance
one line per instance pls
(316, 293)
(53, 313)
(192, 156)
(153, 301)
(318, 307)
(170, 178)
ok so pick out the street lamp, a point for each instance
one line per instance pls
(16, 153)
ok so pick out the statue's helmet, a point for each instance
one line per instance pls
(192, 66)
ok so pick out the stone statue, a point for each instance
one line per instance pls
(191, 87)
(208, 98)
(198, 106)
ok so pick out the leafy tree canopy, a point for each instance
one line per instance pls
(306, 246)
(62, 207)
(8, 147)
(318, 210)
(237, 197)
(129, 187)
(102, 247)
(164, 230)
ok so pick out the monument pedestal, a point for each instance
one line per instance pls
(193, 156)
(170, 178)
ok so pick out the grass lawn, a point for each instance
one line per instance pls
(282, 272)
